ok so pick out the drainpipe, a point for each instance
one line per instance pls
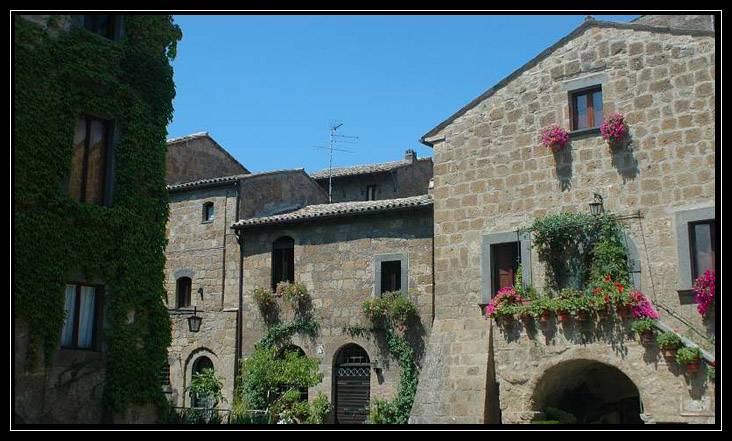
(240, 242)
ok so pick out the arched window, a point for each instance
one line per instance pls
(283, 260)
(198, 367)
(208, 212)
(183, 292)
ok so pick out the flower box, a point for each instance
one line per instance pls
(562, 315)
(669, 353)
(648, 338)
(582, 316)
(623, 311)
(692, 366)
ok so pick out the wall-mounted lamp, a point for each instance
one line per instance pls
(597, 207)
(194, 322)
(200, 292)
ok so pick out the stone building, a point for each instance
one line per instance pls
(340, 251)
(89, 198)
(388, 180)
(493, 177)
(196, 157)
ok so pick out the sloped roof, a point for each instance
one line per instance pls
(206, 135)
(212, 182)
(588, 23)
(337, 210)
(363, 169)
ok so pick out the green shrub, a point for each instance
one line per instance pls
(643, 325)
(668, 340)
(687, 355)
(560, 415)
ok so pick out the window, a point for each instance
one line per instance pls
(370, 192)
(208, 212)
(283, 261)
(83, 308)
(104, 25)
(87, 182)
(183, 292)
(505, 261)
(701, 242)
(165, 375)
(391, 276)
(202, 364)
(586, 108)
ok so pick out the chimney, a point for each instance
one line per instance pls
(410, 156)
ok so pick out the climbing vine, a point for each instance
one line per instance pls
(58, 78)
(391, 314)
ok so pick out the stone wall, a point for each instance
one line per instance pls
(524, 356)
(206, 252)
(264, 194)
(196, 157)
(493, 175)
(401, 182)
(699, 22)
(335, 261)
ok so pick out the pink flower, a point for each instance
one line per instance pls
(704, 291)
(643, 307)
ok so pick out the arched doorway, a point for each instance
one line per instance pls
(352, 378)
(591, 391)
(200, 364)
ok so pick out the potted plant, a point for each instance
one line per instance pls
(554, 137)
(646, 328)
(541, 309)
(580, 305)
(614, 130)
(265, 298)
(524, 313)
(504, 305)
(669, 342)
(296, 293)
(689, 357)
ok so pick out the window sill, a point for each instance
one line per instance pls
(207, 222)
(584, 133)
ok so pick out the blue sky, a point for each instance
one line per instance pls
(267, 87)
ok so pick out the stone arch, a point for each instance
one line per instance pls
(590, 389)
(190, 364)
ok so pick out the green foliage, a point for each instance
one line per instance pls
(391, 310)
(393, 306)
(609, 253)
(281, 332)
(57, 79)
(296, 293)
(577, 302)
(206, 384)
(265, 300)
(687, 355)
(192, 416)
(643, 325)
(559, 241)
(668, 340)
(269, 381)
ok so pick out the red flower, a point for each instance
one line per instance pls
(607, 277)
(620, 286)
(713, 365)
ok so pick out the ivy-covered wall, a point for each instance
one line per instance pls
(60, 73)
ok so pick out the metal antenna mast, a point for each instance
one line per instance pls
(335, 138)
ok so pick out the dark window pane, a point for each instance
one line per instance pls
(391, 276)
(505, 264)
(77, 159)
(702, 248)
(98, 141)
(581, 112)
(283, 261)
(597, 108)
(184, 292)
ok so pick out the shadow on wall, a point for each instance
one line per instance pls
(563, 167)
(624, 160)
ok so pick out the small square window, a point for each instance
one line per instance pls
(586, 108)
(165, 375)
(391, 276)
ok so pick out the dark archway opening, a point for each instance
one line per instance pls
(590, 392)
(352, 381)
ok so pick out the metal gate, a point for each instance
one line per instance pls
(353, 385)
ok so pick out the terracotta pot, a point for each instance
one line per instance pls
(582, 316)
(507, 319)
(544, 317)
(623, 311)
(562, 315)
(669, 353)
(526, 318)
(693, 366)
(648, 338)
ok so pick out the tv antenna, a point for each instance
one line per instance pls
(335, 138)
